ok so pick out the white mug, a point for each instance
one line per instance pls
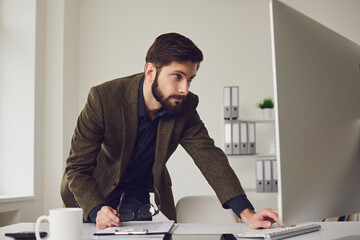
(64, 223)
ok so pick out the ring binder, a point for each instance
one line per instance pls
(227, 102)
(274, 176)
(234, 102)
(267, 176)
(228, 138)
(243, 138)
(259, 176)
(251, 144)
(235, 138)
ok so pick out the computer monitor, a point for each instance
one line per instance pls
(317, 116)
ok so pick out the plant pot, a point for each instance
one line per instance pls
(267, 113)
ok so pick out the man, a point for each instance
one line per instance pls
(129, 128)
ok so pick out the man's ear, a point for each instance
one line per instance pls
(150, 71)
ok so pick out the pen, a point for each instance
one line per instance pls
(120, 202)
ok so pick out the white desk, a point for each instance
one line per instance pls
(328, 231)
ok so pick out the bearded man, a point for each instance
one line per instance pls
(128, 130)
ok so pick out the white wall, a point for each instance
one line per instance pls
(81, 43)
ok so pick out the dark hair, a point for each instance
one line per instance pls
(173, 47)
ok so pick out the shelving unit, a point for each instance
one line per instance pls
(271, 120)
(259, 155)
(245, 164)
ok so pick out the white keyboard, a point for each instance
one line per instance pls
(280, 233)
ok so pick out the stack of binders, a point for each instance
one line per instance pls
(231, 103)
(239, 135)
(266, 176)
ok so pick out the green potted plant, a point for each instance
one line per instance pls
(266, 106)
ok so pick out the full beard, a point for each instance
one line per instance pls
(165, 102)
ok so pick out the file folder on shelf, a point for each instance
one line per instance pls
(251, 135)
(227, 102)
(267, 176)
(243, 138)
(228, 138)
(234, 114)
(274, 176)
(235, 138)
(259, 176)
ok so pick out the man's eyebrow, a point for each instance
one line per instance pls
(183, 73)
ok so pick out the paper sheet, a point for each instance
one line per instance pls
(138, 225)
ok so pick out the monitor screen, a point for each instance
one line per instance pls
(317, 116)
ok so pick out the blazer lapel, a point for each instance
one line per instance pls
(164, 133)
(130, 121)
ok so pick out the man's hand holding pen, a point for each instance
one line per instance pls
(107, 217)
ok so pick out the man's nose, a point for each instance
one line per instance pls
(184, 87)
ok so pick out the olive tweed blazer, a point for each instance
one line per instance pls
(104, 140)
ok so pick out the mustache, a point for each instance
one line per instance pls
(182, 97)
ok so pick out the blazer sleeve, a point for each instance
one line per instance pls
(85, 146)
(210, 159)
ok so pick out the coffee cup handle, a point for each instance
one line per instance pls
(37, 226)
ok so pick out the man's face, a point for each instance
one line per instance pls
(171, 85)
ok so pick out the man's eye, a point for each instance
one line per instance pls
(176, 76)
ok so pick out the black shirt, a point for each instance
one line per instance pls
(143, 156)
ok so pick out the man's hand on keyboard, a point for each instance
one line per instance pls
(263, 219)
